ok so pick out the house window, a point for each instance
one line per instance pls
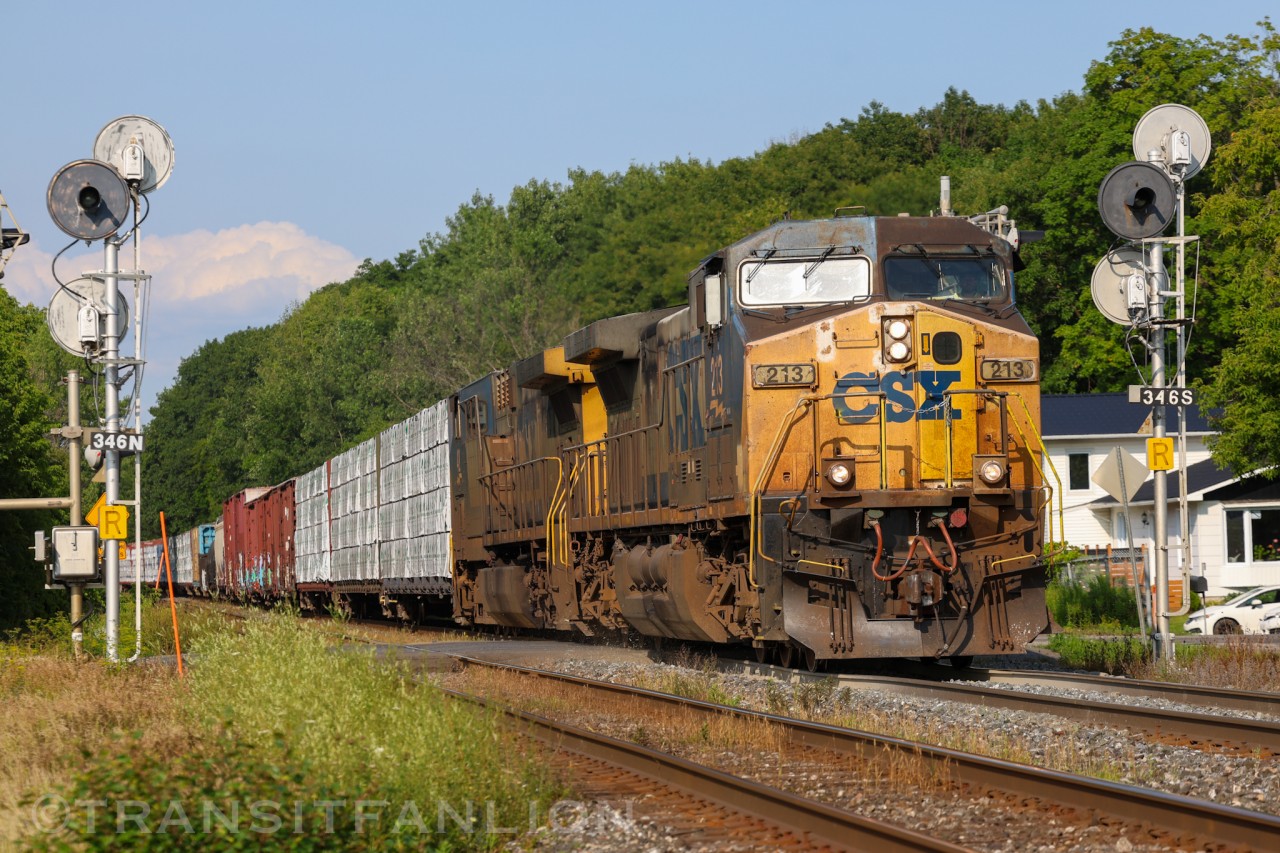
(1078, 470)
(1253, 535)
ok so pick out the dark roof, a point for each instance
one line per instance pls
(1200, 476)
(1105, 414)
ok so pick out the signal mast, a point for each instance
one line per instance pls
(1138, 201)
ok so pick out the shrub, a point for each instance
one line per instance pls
(219, 793)
(1125, 655)
(1091, 605)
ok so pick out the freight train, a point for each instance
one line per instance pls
(830, 452)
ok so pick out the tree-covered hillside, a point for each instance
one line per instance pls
(504, 280)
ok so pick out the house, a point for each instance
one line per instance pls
(1234, 521)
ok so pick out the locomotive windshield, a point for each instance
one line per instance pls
(968, 279)
(811, 281)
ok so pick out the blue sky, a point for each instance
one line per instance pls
(312, 135)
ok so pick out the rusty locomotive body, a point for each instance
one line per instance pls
(830, 452)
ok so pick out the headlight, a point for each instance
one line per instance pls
(839, 475)
(898, 351)
(898, 329)
(991, 472)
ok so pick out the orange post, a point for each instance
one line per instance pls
(173, 606)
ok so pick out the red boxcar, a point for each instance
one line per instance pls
(258, 535)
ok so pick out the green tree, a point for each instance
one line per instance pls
(196, 441)
(28, 466)
(1243, 224)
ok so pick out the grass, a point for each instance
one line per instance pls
(1124, 655)
(52, 635)
(58, 711)
(1237, 664)
(269, 713)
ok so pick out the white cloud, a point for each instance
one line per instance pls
(204, 285)
(250, 268)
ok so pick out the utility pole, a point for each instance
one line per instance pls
(74, 445)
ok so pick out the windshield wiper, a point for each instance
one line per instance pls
(813, 266)
(755, 312)
(760, 264)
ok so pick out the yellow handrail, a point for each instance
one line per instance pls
(802, 406)
(766, 470)
(550, 523)
(1056, 479)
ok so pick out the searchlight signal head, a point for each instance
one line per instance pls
(88, 200)
(139, 149)
(10, 237)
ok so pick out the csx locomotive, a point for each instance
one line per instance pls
(830, 452)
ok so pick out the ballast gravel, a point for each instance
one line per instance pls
(983, 824)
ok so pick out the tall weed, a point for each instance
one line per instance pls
(364, 725)
(1125, 655)
(1093, 604)
(334, 750)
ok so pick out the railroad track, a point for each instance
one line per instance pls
(1182, 819)
(1210, 698)
(1183, 728)
(753, 809)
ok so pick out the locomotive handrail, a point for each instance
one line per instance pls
(802, 406)
(947, 409)
(561, 510)
(779, 440)
(512, 471)
(1062, 529)
(553, 515)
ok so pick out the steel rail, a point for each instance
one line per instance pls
(1180, 815)
(1208, 728)
(808, 820)
(1249, 701)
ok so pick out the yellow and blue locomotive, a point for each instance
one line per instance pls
(830, 452)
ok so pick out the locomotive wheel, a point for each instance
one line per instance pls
(762, 653)
(811, 661)
(786, 655)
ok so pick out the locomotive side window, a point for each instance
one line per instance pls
(804, 281)
(931, 277)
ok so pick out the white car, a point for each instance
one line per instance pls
(1270, 624)
(1242, 614)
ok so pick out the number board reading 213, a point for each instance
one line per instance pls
(1009, 369)
(774, 375)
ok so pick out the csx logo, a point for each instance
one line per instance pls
(900, 404)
